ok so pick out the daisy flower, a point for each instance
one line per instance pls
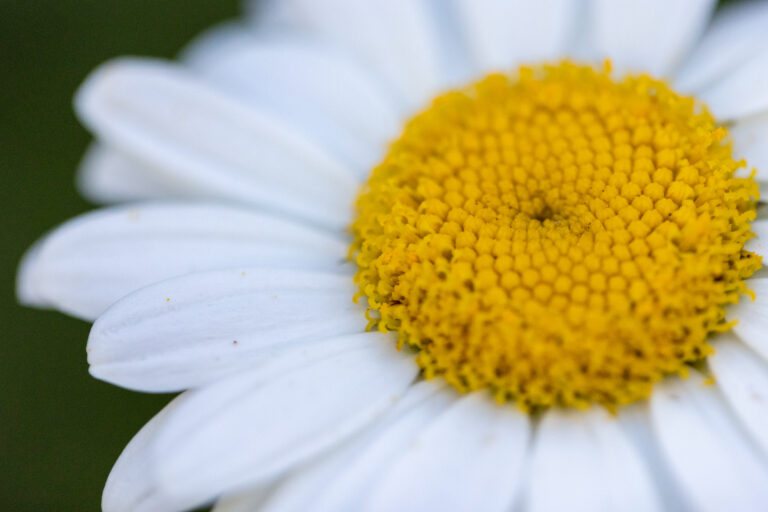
(425, 255)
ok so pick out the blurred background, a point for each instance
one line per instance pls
(60, 429)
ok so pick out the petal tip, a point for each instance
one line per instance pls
(29, 284)
(107, 82)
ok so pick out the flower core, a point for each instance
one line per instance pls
(556, 236)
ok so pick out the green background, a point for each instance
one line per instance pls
(60, 429)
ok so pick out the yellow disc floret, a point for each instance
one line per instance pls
(556, 236)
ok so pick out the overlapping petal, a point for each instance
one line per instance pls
(192, 330)
(218, 145)
(737, 32)
(245, 430)
(711, 459)
(582, 460)
(90, 262)
(648, 37)
(343, 111)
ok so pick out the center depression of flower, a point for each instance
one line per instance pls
(556, 236)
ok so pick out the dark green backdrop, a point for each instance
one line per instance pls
(60, 429)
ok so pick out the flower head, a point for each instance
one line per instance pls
(372, 219)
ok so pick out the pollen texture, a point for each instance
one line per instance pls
(556, 236)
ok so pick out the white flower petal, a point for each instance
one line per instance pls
(650, 36)
(394, 37)
(470, 457)
(90, 262)
(762, 211)
(583, 461)
(758, 244)
(741, 92)
(189, 331)
(310, 487)
(743, 378)
(226, 148)
(711, 458)
(750, 141)
(243, 431)
(108, 176)
(341, 481)
(248, 501)
(322, 94)
(752, 317)
(737, 32)
(503, 34)
(456, 68)
(635, 420)
(130, 487)
(211, 44)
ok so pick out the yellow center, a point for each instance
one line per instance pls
(556, 236)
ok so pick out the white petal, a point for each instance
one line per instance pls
(750, 141)
(711, 458)
(650, 36)
(90, 262)
(108, 176)
(189, 331)
(248, 501)
(741, 92)
(762, 211)
(737, 32)
(394, 37)
(342, 480)
(322, 94)
(743, 378)
(130, 487)
(758, 244)
(453, 54)
(504, 34)
(582, 460)
(469, 458)
(635, 420)
(243, 431)
(216, 41)
(752, 317)
(218, 145)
